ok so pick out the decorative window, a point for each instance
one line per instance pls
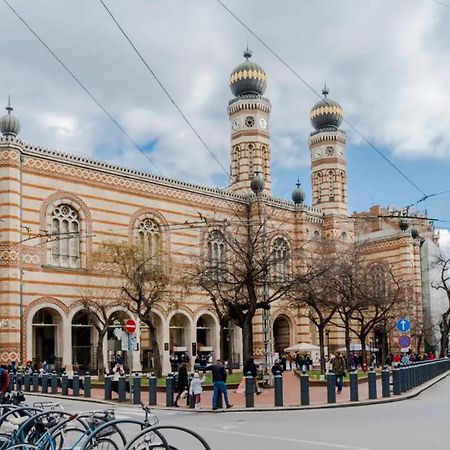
(379, 281)
(250, 160)
(149, 236)
(65, 236)
(331, 185)
(343, 185)
(280, 255)
(216, 254)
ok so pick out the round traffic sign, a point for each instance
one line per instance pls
(404, 341)
(403, 325)
(130, 326)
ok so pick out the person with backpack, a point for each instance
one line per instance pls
(338, 367)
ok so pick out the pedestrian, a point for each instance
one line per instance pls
(353, 362)
(4, 382)
(12, 367)
(219, 376)
(338, 367)
(405, 359)
(330, 359)
(277, 367)
(182, 384)
(196, 389)
(252, 368)
(396, 360)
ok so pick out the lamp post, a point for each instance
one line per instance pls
(257, 186)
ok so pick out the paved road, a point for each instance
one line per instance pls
(420, 423)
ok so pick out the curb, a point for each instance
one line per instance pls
(417, 391)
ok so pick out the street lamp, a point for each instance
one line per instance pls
(257, 186)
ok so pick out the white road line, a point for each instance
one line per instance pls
(282, 438)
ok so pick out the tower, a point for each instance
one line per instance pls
(327, 146)
(249, 115)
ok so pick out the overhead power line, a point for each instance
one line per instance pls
(85, 89)
(308, 85)
(147, 65)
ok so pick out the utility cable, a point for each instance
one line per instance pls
(161, 85)
(299, 77)
(85, 89)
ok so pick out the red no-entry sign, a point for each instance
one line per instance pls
(130, 326)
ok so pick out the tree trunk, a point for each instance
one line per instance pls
(347, 345)
(322, 350)
(445, 328)
(99, 357)
(247, 340)
(155, 347)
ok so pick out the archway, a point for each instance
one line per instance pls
(179, 335)
(148, 362)
(83, 346)
(47, 338)
(115, 350)
(206, 341)
(281, 333)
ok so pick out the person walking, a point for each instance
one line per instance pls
(251, 367)
(338, 367)
(219, 376)
(196, 389)
(4, 382)
(277, 368)
(182, 384)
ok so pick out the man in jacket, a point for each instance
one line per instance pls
(251, 367)
(219, 376)
(338, 367)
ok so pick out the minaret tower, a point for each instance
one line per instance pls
(249, 115)
(327, 146)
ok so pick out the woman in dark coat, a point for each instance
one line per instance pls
(183, 383)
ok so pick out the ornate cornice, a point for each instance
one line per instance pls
(327, 135)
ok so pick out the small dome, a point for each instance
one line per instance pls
(404, 225)
(298, 195)
(414, 233)
(9, 125)
(326, 113)
(257, 184)
(248, 78)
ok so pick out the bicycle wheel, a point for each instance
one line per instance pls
(103, 444)
(67, 438)
(23, 447)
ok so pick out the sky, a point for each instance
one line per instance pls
(385, 62)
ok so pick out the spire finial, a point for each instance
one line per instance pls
(325, 90)
(9, 108)
(247, 52)
(298, 182)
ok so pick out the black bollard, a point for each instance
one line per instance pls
(35, 382)
(169, 390)
(122, 388)
(27, 382)
(278, 389)
(108, 387)
(44, 380)
(54, 382)
(354, 387)
(152, 389)
(331, 388)
(136, 390)
(403, 379)
(76, 384)
(11, 381)
(385, 386)
(87, 385)
(65, 384)
(372, 376)
(304, 389)
(397, 389)
(249, 391)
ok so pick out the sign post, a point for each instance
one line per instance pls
(130, 328)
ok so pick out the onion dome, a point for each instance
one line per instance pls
(326, 113)
(9, 125)
(248, 78)
(257, 184)
(298, 194)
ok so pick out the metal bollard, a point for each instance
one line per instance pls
(249, 391)
(27, 382)
(108, 387)
(11, 381)
(385, 387)
(65, 384)
(372, 378)
(278, 389)
(402, 379)
(122, 388)
(304, 389)
(35, 382)
(136, 390)
(169, 390)
(152, 389)
(331, 388)
(354, 392)
(76, 384)
(44, 380)
(54, 382)
(397, 389)
(87, 385)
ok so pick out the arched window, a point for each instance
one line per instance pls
(216, 254)
(378, 276)
(331, 185)
(343, 185)
(65, 236)
(280, 255)
(250, 159)
(149, 236)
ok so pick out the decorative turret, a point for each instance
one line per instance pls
(298, 194)
(9, 125)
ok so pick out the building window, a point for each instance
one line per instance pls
(331, 185)
(216, 254)
(280, 255)
(250, 160)
(149, 236)
(379, 282)
(65, 236)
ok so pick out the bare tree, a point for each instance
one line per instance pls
(444, 284)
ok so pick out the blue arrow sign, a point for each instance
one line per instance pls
(403, 325)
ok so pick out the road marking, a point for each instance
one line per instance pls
(282, 438)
